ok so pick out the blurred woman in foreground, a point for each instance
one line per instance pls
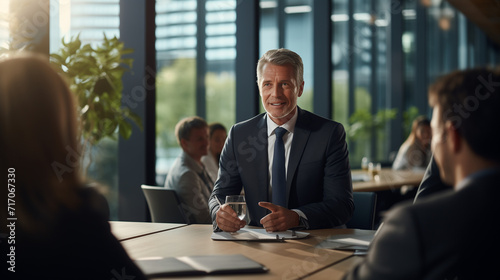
(58, 233)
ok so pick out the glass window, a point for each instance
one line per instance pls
(89, 20)
(220, 76)
(412, 97)
(4, 23)
(176, 76)
(363, 33)
(341, 55)
(269, 31)
(299, 38)
(176, 86)
(381, 21)
(361, 64)
(442, 40)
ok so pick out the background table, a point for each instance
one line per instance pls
(292, 259)
(388, 180)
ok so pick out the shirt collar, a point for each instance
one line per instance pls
(475, 176)
(289, 125)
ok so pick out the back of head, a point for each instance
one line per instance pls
(282, 57)
(38, 130)
(470, 100)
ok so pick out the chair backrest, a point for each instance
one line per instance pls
(364, 210)
(164, 205)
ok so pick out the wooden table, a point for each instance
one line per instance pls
(388, 180)
(293, 259)
(337, 271)
(128, 230)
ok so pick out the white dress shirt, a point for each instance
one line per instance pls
(211, 166)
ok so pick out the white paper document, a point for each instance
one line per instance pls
(358, 241)
(361, 177)
(258, 234)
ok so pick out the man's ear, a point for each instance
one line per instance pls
(183, 144)
(301, 89)
(453, 137)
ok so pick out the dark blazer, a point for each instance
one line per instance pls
(318, 177)
(431, 182)
(78, 245)
(451, 235)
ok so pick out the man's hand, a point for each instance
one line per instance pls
(228, 220)
(280, 218)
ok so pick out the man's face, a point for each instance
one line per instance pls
(197, 144)
(279, 92)
(440, 147)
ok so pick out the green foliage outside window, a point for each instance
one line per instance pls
(362, 127)
(175, 98)
(221, 98)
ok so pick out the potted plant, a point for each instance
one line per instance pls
(95, 77)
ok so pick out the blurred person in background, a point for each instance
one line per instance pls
(217, 137)
(188, 176)
(415, 152)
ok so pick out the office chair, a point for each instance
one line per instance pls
(164, 205)
(364, 210)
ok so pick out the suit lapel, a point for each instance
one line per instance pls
(300, 137)
(261, 175)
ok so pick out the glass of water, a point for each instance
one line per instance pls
(237, 202)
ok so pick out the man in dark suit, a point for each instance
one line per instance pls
(451, 235)
(316, 177)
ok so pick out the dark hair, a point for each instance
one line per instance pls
(470, 100)
(213, 127)
(184, 127)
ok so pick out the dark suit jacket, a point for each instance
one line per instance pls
(318, 177)
(78, 245)
(451, 235)
(431, 182)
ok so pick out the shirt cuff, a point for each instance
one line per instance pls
(302, 219)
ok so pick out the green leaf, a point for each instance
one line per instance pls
(136, 119)
(125, 129)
